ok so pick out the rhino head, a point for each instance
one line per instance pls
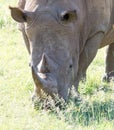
(50, 29)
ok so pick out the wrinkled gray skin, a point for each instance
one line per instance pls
(62, 38)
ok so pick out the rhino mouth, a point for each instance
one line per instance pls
(45, 81)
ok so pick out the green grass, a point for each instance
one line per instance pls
(94, 111)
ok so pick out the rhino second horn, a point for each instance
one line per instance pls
(43, 66)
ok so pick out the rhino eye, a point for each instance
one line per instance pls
(68, 15)
(65, 17)
(70, 66)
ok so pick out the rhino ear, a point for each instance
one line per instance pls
(18, 14)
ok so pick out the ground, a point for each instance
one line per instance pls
(94, 111)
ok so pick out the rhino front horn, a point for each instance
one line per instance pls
(45, 82)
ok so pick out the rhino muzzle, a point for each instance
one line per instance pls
(43, 78)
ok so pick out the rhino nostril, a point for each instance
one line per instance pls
(46, 70)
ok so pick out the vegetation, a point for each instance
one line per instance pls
(94, 110)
